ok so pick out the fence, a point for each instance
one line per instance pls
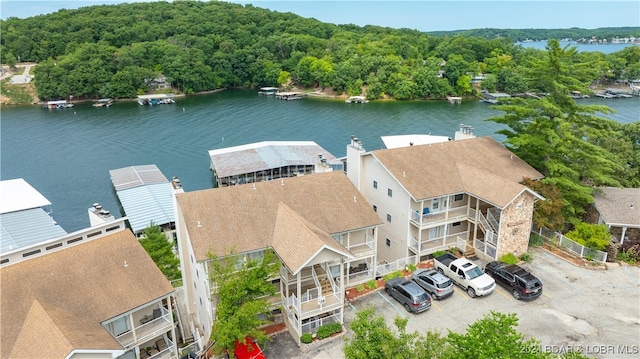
(571, 246)
(386, 268)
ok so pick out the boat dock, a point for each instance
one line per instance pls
(288, 96)
(59, 104)
(493, 97)
(268, 91)
(156, 99)
(357, 99)
(454, 100)
(103, 102)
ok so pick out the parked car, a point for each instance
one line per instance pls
(409, 294)
(466, 274)
(521, 283)
(433, 282)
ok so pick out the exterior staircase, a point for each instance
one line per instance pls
(469, 251)
(325, 284)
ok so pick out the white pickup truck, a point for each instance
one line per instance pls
(466, 274)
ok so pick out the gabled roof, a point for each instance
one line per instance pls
(480, 166)
(250, 217)
(261, 156)
(66, 295)
(619, 206)
(296, 240)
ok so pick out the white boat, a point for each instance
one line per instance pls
(356, 99)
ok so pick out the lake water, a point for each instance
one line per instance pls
(67, 154)
(605, 49)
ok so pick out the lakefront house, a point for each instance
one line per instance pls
(321, 228)
(464, 193)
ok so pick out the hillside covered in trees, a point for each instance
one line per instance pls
(117, 50)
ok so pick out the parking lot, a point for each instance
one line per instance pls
(594, 311)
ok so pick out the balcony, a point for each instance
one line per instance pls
(432, 245)
(439, 218)
(151, 327)
(362, 249)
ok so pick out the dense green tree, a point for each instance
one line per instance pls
(161, 250)
(373, 338)
(554, 134)
(494, 336)
(242, 287)
(548, 212)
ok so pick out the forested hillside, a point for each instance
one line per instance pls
(117, 50)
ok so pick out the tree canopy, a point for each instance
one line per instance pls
(161, 250)
(116, 50)
(241, 286)
(567, 142)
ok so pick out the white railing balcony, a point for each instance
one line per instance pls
(363, 248)
(438, 218)
(315, 306)
(160, 352)
(413, 244)
(146, 331)
(493, 215)
(435, 244)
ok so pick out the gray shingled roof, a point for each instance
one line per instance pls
(480, 166)
(55, 303)
(619, 206)
(254, 216)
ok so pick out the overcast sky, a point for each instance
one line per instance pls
(425, 15)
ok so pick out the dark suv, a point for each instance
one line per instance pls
(521, 283)
(414, 298)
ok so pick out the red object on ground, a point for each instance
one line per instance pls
(251, 350)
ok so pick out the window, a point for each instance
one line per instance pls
(388, 218)
(375, 184)
(457, 197)
(388, 242)
(456, 224)
(389, 192)
(375, 208)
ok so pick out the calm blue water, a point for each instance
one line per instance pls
(605, 49)
(67, 154)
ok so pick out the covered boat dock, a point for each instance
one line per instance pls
(268, 160)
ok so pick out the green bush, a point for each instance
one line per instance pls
(509, 258)
(372, 284)
(439, 253)
(594, 236)
(631, 255)
(535, 240)
(412, 267)
(306, 338)
(392, 275)
(526, 257)
(326, 330)
(360, 288)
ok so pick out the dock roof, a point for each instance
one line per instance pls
(411, 140)
(261, 156)
(145, 194)
(17, 195)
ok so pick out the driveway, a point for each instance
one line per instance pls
(595, 311)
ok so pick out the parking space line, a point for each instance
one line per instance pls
(504, 295)
(353, 307)
(433, 304)
(626, 269)
(546, 295)
(396, 308)
(465, 296)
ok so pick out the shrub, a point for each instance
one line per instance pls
(439, 253)
(372, 284)
(509, 258)
(326, 330)
(526, 257)
(630, 255)
(535, 240)
(360, 288)
(392, 275)
(594, 236)
(306, 338)
(411, 267)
